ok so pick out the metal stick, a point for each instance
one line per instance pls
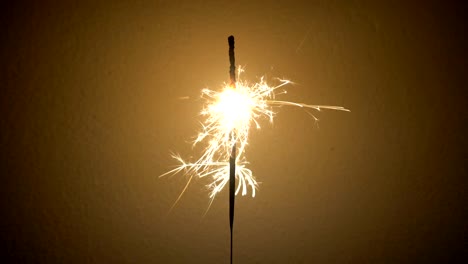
(232, 159)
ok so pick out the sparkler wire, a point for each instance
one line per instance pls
(232, 159)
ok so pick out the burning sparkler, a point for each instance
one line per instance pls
(229, 115)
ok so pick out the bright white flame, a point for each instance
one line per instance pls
(233, 107)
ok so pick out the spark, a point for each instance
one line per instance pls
(228, 117)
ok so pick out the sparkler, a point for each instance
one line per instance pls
(229, 115)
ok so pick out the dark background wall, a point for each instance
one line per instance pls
(90, 111)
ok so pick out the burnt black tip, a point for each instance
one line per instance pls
(231, 40)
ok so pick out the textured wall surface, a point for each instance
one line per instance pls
(91, 110)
